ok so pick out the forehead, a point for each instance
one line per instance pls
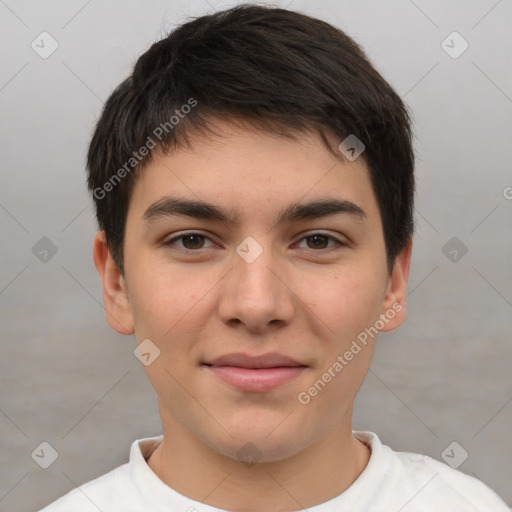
(251, 173)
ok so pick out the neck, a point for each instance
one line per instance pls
(312, 476)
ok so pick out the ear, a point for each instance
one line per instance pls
(394, 306)
(115, 294)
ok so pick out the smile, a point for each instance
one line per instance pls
(256, 380)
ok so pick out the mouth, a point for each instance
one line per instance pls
(258, 374)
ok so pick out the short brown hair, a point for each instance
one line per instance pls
(279, 69)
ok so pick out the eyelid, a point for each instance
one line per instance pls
(184, 234)
(340, 242)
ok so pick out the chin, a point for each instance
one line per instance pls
(257, 450)
(269, 440)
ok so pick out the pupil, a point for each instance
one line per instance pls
(195, 239)
(318, 240)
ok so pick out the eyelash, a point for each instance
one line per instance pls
(171, 241)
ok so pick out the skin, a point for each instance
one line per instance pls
(295, 299)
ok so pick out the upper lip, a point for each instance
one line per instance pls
(246, 361)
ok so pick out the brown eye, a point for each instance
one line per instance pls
(189, 242)
(317, 241)
(193, 241)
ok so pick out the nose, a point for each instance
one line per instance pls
(255, 292)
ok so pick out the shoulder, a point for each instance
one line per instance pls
(423, 482)
(454, 486)
(95, 494)
(118, 490)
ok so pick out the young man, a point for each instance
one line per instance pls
(253, 182)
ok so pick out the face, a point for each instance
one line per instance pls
(267, 271)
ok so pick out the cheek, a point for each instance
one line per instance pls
(346, 301)
(166, 301)
(349, 303)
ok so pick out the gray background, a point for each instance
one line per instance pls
(68, 379)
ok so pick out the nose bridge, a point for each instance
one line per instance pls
(252, 267)
(253, 294)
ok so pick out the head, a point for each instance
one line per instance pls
(300, 248)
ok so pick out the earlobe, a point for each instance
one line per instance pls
(115, 294)
(394, 305)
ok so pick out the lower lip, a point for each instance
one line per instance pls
(256, 380)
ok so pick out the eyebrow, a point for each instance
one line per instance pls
(169, 206)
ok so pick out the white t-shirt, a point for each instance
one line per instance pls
(391, 482)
